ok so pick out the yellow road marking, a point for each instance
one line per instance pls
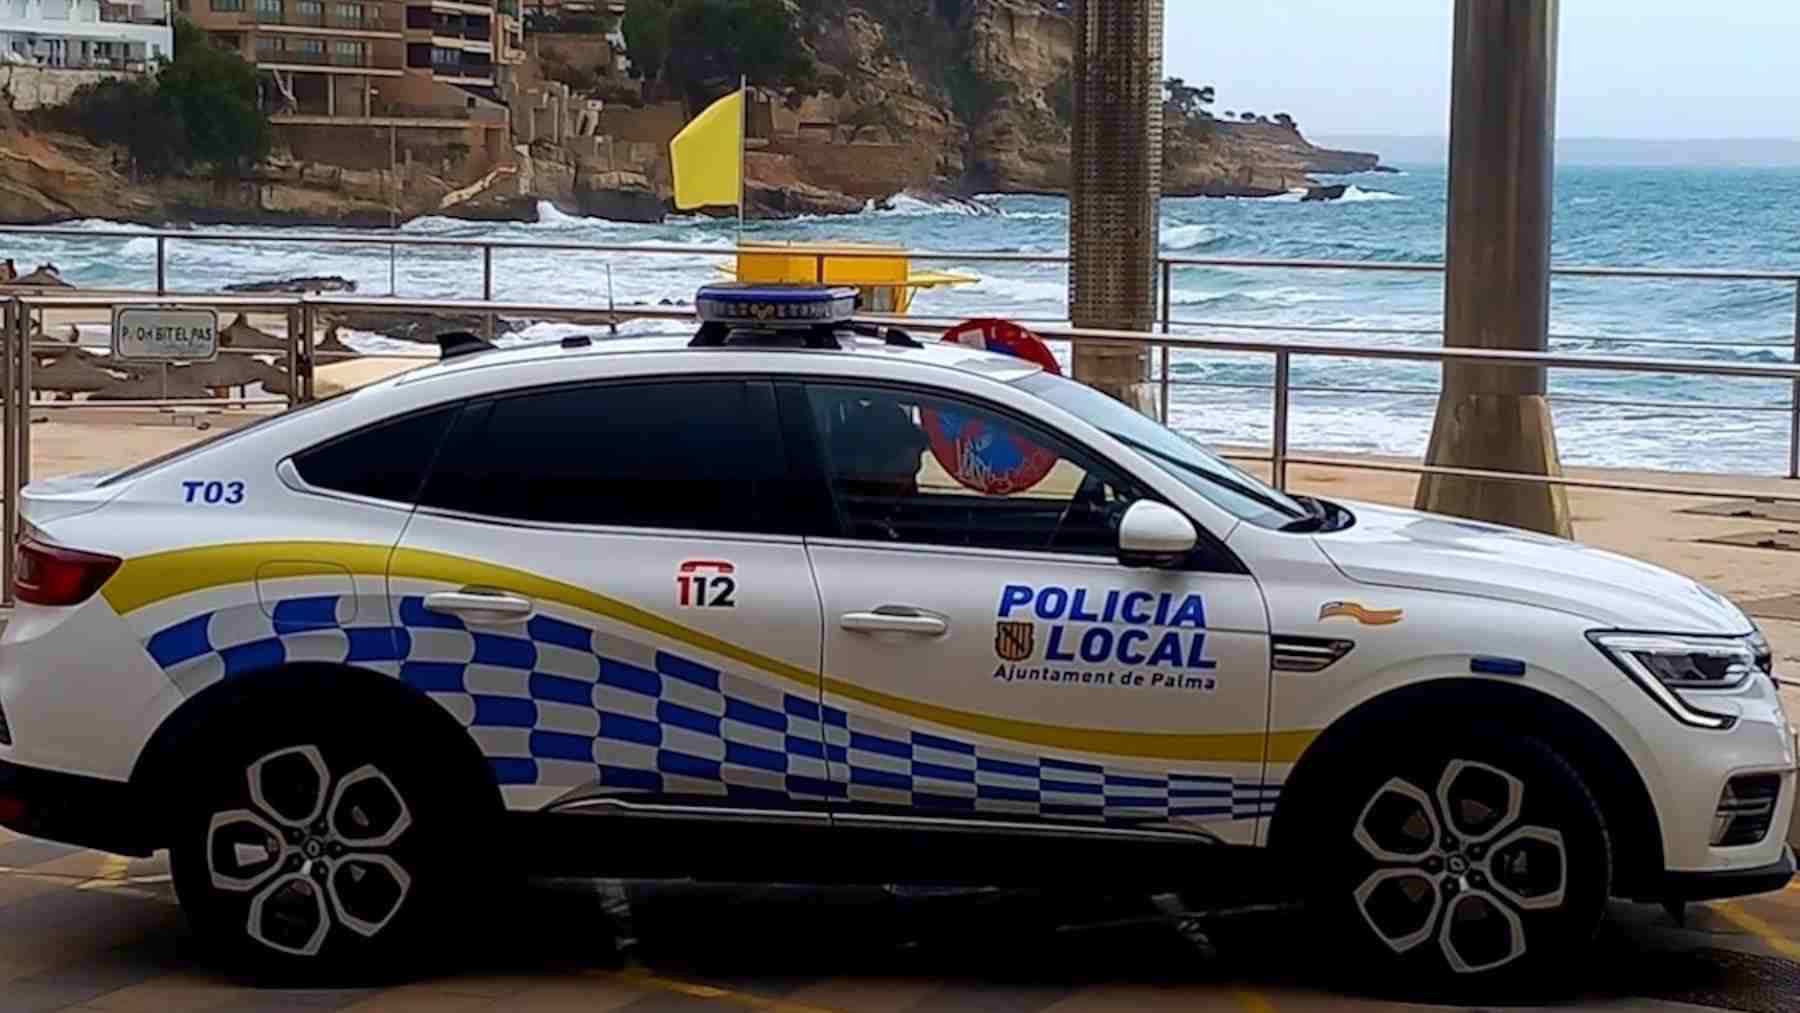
(112, 873)
(695, 990)
(1252, 1000)
(1769, 934)
(130, 886)
(149, 579)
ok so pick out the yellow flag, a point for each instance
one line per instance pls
(707, 156)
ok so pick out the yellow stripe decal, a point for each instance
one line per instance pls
(147, 580)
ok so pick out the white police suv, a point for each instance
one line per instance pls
(801, 604)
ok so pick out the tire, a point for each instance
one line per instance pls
(313, 847)
(1466, 865)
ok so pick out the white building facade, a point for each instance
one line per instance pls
(85, 34)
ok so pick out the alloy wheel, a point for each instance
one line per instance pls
(313, 850)
(1458, 867)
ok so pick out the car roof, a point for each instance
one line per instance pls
(974, 361)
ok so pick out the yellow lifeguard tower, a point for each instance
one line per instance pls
(882, 274)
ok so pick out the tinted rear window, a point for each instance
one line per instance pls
(703, 455)
(385, 461)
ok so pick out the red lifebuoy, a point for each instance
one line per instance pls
(1005, 337)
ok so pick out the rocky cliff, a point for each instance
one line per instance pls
(987, 82)
(964, 95)
(47, 176)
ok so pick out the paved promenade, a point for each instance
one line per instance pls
(80, 930)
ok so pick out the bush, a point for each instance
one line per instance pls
(714, 43)
(199, 108)
(132, 113)
(646, 30)
(974, 96)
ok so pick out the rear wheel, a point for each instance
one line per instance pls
(1468, 863)
(312, 848)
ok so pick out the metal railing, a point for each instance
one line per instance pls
(1166, 320)
(305, 313)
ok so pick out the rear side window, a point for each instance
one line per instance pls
(702, 456)
(385, 461)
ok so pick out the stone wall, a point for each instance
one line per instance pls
(40, 87)
(461, 155)
(655, 124)
(592, 52)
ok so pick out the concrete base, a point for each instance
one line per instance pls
(1496, 432)
(1120, 372)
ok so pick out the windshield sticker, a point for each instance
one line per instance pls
(1361, 613)
(1090, 637)
(984, 457)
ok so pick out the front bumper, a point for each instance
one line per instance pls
(1696, 886)
(89, 812)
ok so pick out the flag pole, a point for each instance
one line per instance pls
(743, 157)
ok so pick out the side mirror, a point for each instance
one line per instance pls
(1153, 534)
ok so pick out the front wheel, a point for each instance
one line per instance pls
(1468, 863)
(309, 852)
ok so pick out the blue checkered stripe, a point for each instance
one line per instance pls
(566, 705)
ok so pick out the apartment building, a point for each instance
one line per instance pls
(354, 61)
(85, 34)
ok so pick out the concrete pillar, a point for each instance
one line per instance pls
(1497, 283)
(1116, 189)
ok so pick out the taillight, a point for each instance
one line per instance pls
(53, 575)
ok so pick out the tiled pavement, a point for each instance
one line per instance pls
(81, 930)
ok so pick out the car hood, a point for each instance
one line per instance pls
(1405, 548)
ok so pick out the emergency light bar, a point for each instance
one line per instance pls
(775, 307)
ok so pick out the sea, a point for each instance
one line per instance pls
(1621, 216)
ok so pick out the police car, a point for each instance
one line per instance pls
(787, 601)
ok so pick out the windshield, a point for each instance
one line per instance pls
(1245, 496)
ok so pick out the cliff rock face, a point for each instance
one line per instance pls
(989, 82)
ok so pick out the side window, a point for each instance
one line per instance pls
(703, 455)
(385, 461)
(911, 467)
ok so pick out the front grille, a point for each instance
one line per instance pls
(1746, 809)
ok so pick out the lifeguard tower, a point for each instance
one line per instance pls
(883, 275)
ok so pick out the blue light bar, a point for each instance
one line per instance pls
(775, 307)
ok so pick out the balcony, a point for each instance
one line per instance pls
(471, 27)
(312, 58)
(370, 21)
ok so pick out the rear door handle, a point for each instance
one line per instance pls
(481, 607)
(895, 619)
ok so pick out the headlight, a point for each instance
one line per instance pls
(1662, 664)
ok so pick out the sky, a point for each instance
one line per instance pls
(1628, 68)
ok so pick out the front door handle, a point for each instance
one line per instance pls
(481, 607)
(895, 619)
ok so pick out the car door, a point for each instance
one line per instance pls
(600, 582)
(987, 656)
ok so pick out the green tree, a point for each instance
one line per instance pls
(646, 29)
(201, 107)
(1188, 102)
(214, 92)
(713, 43)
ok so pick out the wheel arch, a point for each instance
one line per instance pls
(1617, 786)
(414, 714)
